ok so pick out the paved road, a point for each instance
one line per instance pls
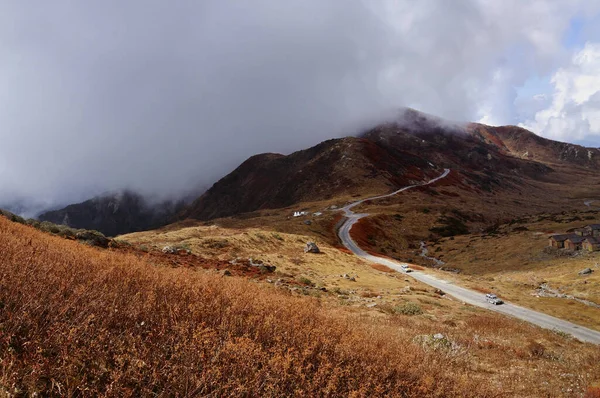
(460, 293)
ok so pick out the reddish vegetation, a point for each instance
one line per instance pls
(453, 179)
(185, 260)
(592, 392)
(398, 170)
(78, 321)
(363, 232)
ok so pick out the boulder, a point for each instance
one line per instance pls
(169, 250)
(311, 247)
(586, 271)
(267, 268)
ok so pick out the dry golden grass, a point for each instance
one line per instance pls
(78, 321)
(514, 263)
(284, 250)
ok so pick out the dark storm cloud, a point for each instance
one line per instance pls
(163, 96)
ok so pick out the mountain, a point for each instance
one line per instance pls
(332, 168)
(505, 162)
(524, 144)
(414, 147)
(115, 214)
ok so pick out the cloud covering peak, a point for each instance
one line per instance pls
(160, 96)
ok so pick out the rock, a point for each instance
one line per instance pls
(307, 222)
(226, 273)
(439, 291)
(586, 271)
(266, 268)
(438, 336)
(169, 250)
(371, 305)
(311, 247)
(93, 238)
(352, 279)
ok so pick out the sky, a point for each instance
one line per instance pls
(166, 97)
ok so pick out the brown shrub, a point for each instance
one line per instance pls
(592, 392)
(536, 350)
(78, 321)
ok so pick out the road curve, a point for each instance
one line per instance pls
(465, 295)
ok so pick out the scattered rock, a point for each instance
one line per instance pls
(311, 247)
(586, 271)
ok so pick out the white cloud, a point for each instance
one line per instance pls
(574, 112)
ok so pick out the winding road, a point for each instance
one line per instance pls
(463, 294)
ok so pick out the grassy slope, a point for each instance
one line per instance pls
(495, 348)
(514, 263)
(78, 321)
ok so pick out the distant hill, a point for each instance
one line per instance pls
(524, 144)
(115, 214)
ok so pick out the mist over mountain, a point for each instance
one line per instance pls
(153, 97)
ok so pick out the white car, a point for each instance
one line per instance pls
(493, 299)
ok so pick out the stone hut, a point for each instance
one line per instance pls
(591, 244)
(574, 242)
(592, 230)
(558, 241)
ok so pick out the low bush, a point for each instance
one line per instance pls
(408, 308)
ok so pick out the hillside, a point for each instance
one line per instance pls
(332, 168)
(387, 157)
(524, 144)
(490, 164)
(115, 214)
(139, 327)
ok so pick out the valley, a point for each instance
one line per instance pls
(462, 207)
